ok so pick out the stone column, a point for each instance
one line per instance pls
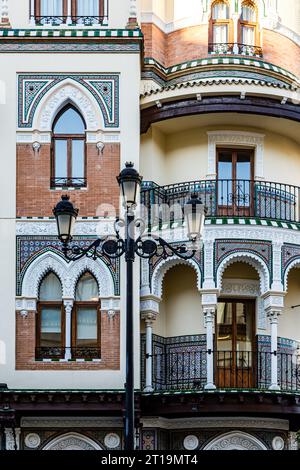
(68, 311)
(209, 306)
(235, 19)
(12, 437)
(149, 311)
(273, 318)
(293, 441)
(69, 13)
(32, 12)
(132, 19)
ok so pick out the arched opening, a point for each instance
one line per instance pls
(235, 440)
(248, 28)
(86, 321)
(289, 321)
(235, 337)
(50, 319)
(68, 149)
(72, 441)
(220, 28)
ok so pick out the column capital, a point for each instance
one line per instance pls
(273, 301)
(149, 305)
(149, 318)
(132, 19)
(273, 316)
(209, 298)
(68, 304)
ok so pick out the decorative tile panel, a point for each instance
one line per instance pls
(33, 87)
(290, 253)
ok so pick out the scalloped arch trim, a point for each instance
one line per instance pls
(164, 266)
(72, 441)
(293, 265)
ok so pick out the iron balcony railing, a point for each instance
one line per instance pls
(222, 198)
(68, 183)
(74, 20)
(235, 49)
(56, 352)
(186, 370)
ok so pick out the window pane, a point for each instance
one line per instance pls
(87, 289)
(86, 326)
(51, 8)
(88, 7)
(220, 11)
(50, 289)
(61, 158)
(77, 159)
(50, 327)
(243, 166)
(248, 36)
(70, 122)
(248, 13)
(220, 34)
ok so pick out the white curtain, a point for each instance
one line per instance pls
(51, 320)
(87, 7)
(248, 36)
(87, 289)
(50, 289)
(248, 14)
(220, 35)
(51, 7)
(87, 323)
(220, 11)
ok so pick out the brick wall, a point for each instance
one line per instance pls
(281, 51)
(34, 197)
(26, 341)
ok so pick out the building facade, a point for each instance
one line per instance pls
(203, 97)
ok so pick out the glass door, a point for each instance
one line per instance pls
(235, 182)
(235, 334)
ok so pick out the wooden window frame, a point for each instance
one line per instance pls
(228, 22)
(234, 152)
(254, 25)
(69, 138)
(55, 304)
(76, 306)
(101, 8)
(38, 8)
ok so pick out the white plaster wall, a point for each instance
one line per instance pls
(289, 321)
(10, 65)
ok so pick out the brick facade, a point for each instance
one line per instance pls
(26, 341)
(281, 51)
(36, 199)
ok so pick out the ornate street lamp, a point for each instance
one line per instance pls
(145, 246)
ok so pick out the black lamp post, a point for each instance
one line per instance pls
(145, 246)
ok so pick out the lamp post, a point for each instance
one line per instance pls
(145, 246)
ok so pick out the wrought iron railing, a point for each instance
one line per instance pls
(71, 21)
(56, 352)
(68, 182)
(234, 48)
(186, 370)
(222, 198)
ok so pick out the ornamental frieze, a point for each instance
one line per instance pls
(289, 254)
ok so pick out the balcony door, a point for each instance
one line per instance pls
(235, 169)
(235, 344)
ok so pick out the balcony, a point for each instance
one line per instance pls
(234, 49)
(65, 183)
(186, 370)
(56, 353)
(223, 198)
(73, 21)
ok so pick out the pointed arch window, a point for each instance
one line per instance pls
(248, 30)
(68, 150)
(86, 319)
(221, 28)
(50, 319)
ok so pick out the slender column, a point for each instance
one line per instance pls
(209, 318)
(69, 13)
(12, 438)
(68, 311)
(32, 12)
(273, 318)
(149, 359)
(235, 37)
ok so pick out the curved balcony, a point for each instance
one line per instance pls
(223, 198)
(234, 48)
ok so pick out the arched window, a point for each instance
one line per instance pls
(248, 31)
(221, 28)
(68, 149)
(86, 319)
(50, 322)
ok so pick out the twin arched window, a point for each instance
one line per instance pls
(221, 35)
(68, 149)
(53, 329)
(86, 12)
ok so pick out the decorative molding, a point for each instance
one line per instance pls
(112, 440)
(92, 137)
(149, 305)
(25, 305)
(218, 423)
(67, 273)
(235, 441)
(100, 227)
(110, 305)
(236, 138)
(72, 441)
(293, 441)
(41, 96)
(32, 440)
(278, 443)
(12, 437)
(71, 422)
(4, 14)
(191, 442)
